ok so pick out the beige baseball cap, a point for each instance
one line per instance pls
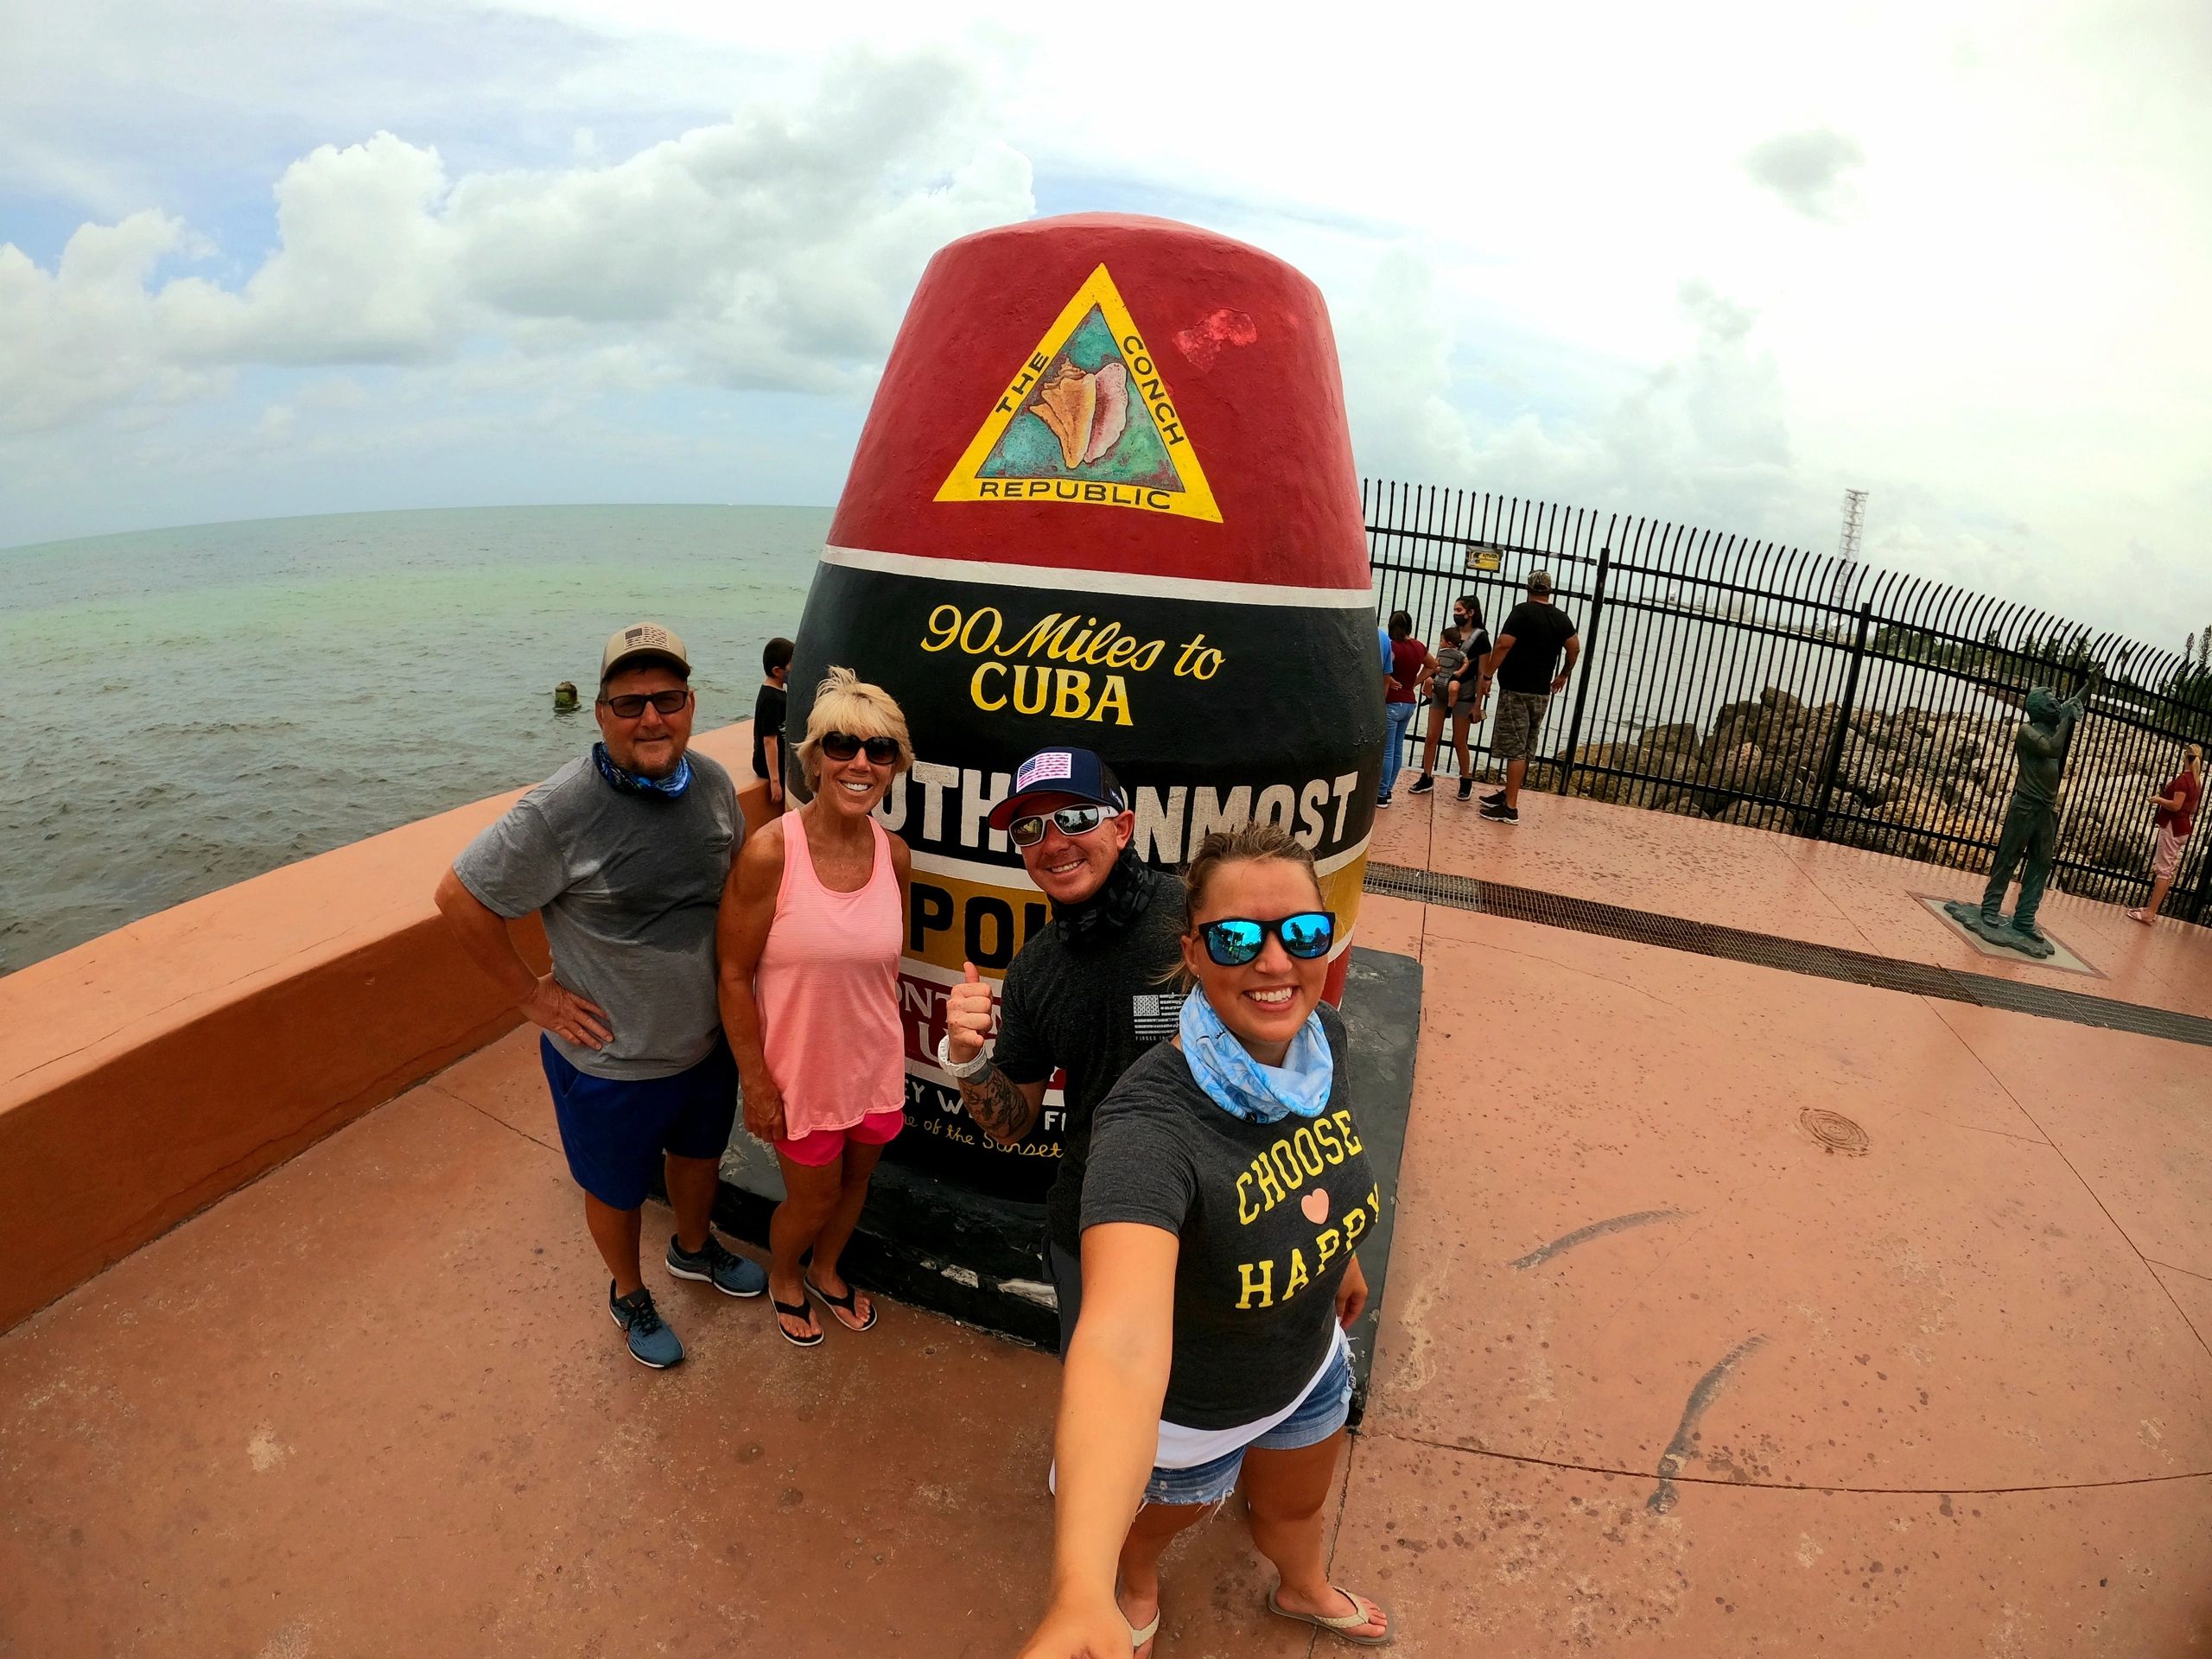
(642, 639)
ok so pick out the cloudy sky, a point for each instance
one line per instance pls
(1709, 262)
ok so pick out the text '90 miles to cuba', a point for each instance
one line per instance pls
(1063, 685)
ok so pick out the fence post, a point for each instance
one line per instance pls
(1834, 762)
(1589, 660)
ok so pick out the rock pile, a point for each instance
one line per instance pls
(1918, 783)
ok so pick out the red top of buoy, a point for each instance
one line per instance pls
(1109, 392)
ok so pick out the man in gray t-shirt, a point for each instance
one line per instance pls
(625, 854)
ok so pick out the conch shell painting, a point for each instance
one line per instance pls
(1087, 413)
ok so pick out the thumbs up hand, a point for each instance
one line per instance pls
(966, 1016)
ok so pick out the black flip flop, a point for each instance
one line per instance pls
(845, 1302)
(794, 1311)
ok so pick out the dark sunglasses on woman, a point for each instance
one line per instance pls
(843, 746)
(1235, 940)
(630, 704)
(1070, 820)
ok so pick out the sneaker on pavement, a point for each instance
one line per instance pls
(1383, 799)
(719, 1266)
(1496, 798)
(1422, 784)
(1466, 787)
(652, 1343)
(1499, 812)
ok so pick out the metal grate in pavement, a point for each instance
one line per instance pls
(1786, 956)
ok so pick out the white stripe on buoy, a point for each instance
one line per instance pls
(1100, 581)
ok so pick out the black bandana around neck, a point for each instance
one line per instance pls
(1123, 897)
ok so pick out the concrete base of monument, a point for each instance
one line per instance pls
(978, 1258)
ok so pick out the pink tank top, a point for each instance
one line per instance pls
(828, 986)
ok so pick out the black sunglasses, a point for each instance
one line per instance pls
(1071, 820)
(630, 704)
(843, 746)
(1235, 940)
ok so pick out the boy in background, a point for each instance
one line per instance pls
(768, 719)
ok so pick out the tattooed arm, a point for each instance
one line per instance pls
(1002, 1108)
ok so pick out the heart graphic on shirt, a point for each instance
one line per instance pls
(1316, 1207)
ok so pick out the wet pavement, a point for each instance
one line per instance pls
(1659, 1371)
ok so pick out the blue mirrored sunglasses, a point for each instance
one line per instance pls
(1235, 940)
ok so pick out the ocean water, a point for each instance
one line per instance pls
(189, 708)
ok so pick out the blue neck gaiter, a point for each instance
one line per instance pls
(1242, 1087)
(663, 789)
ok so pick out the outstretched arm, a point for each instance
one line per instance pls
(1110, 1397)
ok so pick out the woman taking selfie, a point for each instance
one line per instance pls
(808, 938)
(1226, 1197)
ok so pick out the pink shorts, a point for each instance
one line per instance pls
(2165, 853)
(828, 1146)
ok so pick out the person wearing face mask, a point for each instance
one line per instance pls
(1085, 993)
(810, 938)
(624, 853)
(1226, 1197)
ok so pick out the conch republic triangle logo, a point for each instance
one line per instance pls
(1087, 419)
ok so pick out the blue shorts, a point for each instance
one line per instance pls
(615, 1130)
(1326, 1409)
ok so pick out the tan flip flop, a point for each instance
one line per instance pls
(1342, 1625)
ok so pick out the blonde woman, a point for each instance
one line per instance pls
(1226, 1196)
(2177, 816)
(810, 935)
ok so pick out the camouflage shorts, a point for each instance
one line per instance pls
(1520, 717)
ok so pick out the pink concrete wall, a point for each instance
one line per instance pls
(149, 1072)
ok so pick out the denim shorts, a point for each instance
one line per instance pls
(1326, 1409)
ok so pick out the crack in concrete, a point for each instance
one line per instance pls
(1683, 1446)
(1571, 1468)
(462, 1100)
(1595, 1230)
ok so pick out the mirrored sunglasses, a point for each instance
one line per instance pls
(1070, 820)
(1235, 940)
(843, 746)
(630, 704)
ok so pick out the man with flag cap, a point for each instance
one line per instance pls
(1086, 995)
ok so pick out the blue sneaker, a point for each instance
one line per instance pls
(652, 1343)
(717, 1265)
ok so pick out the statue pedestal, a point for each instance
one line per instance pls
(1969, 917)
(1963, 918)
(978, 1258)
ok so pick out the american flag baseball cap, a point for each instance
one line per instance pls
(1077, 773)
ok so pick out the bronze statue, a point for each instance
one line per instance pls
(2031, 827)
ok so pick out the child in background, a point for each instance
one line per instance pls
(1452, 689)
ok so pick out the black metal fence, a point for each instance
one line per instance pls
(1792, 690)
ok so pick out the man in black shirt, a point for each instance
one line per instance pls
(1086, 994)
(1522, 665)
(768, 719)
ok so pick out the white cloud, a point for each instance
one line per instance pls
(83, 337)
(774, 250)
(1701, 437)
(1808, 169)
